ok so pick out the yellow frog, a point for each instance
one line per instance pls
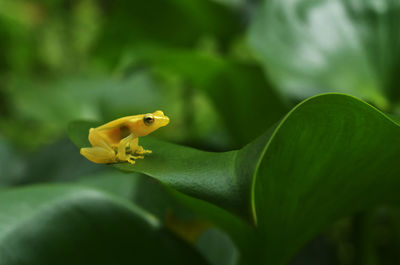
(118, 140)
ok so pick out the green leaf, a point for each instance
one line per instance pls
(331, 156)
(194, 178)
(67, 224)
(309, 47)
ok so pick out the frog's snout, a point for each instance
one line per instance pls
(164, 121)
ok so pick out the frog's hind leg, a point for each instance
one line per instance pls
(101, 152)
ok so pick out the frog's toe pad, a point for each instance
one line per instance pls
(131, 160)
(143, 152)
(137, 157)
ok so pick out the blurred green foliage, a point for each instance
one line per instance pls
(225, 72)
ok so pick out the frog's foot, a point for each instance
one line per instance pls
(142, 151)
(131, 159)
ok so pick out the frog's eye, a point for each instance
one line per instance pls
(148, 120)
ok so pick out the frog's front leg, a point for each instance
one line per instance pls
(137, 149)
(122, 155)
(133, 145)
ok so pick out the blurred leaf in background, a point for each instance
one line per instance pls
(227, 82)
(309, 47)
(41, 229)
(43, 107)
(165, 23)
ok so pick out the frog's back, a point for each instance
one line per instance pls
(117, 123)
(117, 129)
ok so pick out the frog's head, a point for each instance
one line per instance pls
(153, 121)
